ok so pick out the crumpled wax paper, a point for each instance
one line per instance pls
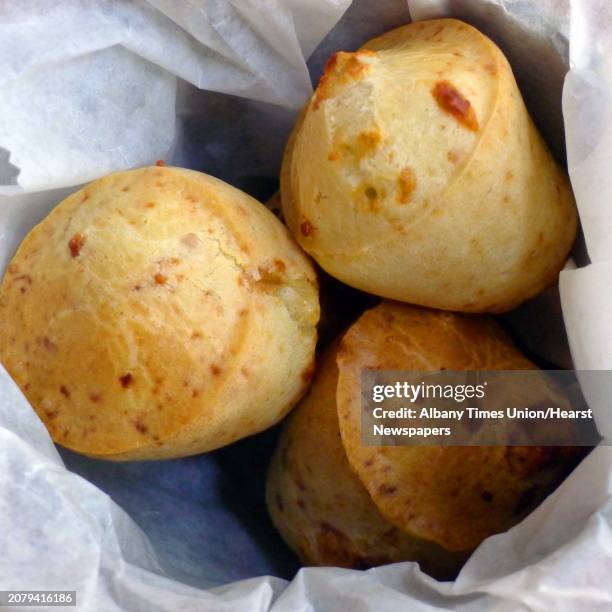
(196, 534)
(587, 105)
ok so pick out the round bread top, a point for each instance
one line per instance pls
(455, 496)
(372, 152)
(140, 305)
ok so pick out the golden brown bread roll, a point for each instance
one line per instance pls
(415, 173)
(339, 502)
(319, 505)
(158, 313)
(455, 496)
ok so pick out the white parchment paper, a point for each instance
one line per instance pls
(89, 87)
(587, 106)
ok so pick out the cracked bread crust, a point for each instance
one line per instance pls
(158, 313)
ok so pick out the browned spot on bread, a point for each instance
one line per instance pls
(140, 426)
(279, 264)
(95, 397)
(341, 67)
(150, 205)
(51, 414)
(386, 489)
(75, 244)
(509, 176)
(368, 141)
(160, 279)
(452, 101)
(215, 369)
(307, 228)
(331, 62)
(64, 391)
(244, 371)
(126, 380)
(491, 68)
(406, 185)
(196, 335)
(364, 144)
(370, 192)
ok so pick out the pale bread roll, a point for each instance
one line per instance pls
(415, 173)
(319, 505)
(339, 502)
(454, 496)
(158, 313)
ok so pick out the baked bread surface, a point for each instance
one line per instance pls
(320, 506)
(158, 313)
(415, 173)
(453, 495)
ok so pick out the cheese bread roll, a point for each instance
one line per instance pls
(158, 313)
(415, 173)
